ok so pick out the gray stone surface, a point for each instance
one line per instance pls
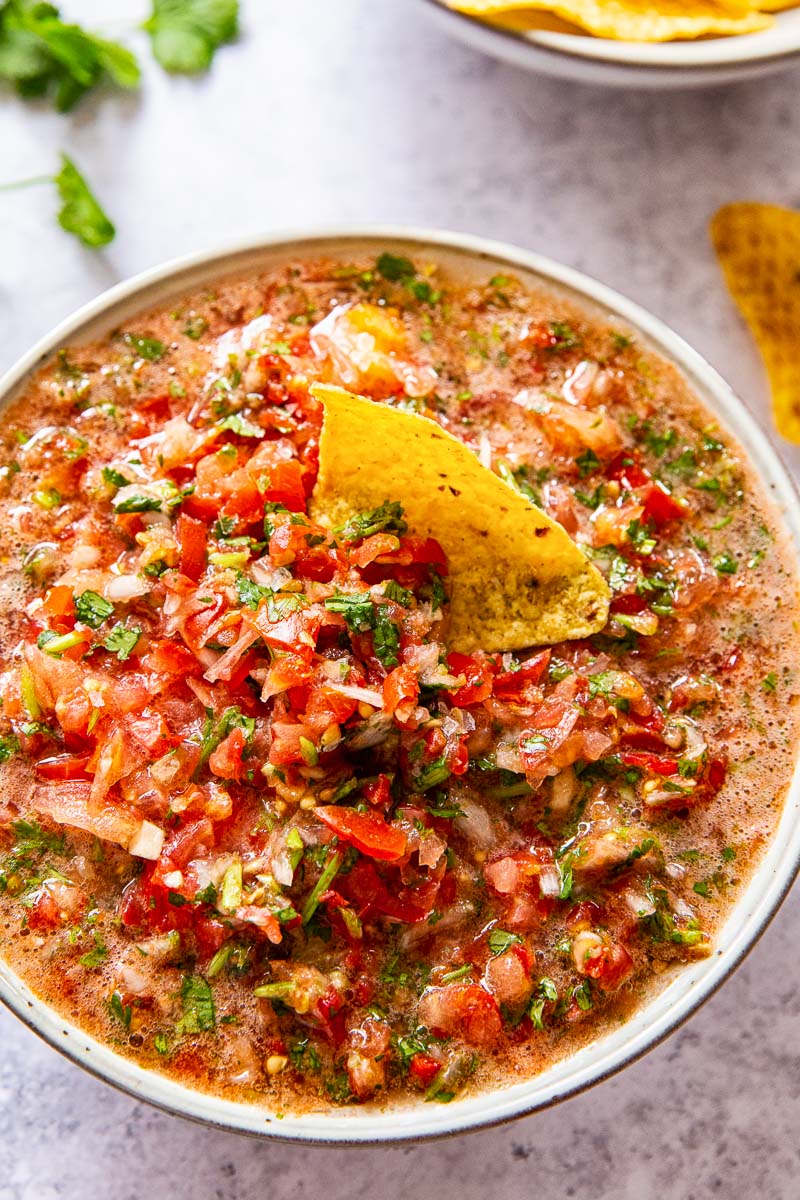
(358, 111)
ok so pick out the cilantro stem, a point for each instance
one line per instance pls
(329, 873)
(34, 181)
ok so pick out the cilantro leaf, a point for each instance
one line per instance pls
(186, 33)
(9, 745)
(43, 55)
(80, 212)
(114, 478)
(199, 1014)
(121, 641)
(500, 940)
(149, 348)
(251, 593)
(387, 518)
(241, 426)
(92, 609)
(356, 608)
(395, 267)
(386, 637)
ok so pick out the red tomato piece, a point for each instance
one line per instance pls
(660, 505)
(286, 486)
(400, 693)
(58, 604)
(64, 766)
(368, 832)
(512, 686)
(650, 762)
(226, 760)
(425, 1068)
(478, 686)
(193, 541)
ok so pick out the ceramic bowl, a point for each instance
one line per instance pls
(585, 59)
(689, 987)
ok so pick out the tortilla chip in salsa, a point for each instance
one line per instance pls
(517, 579)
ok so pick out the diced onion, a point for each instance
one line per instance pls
(550, 882)
(362, 695)
(476, 824)
(126, 587)
(148, 842)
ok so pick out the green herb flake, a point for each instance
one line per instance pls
(92, 609)
(500, 940)
(199, 1014)
(185, 34)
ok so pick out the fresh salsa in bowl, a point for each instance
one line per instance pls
(261, 828)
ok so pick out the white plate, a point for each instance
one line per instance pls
(632, 64)
(469, 257)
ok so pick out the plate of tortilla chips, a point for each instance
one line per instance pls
(632, 43)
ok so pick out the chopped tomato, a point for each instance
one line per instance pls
(226, 759)
(478, 686)
(193, 540)
(368, 832)
(64, 766)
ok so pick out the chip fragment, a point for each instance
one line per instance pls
(516, 577)
(758, 246)
(632, 20)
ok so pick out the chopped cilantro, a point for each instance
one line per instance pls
(725, 563)
(387, 518)
(148, 348)
(115, 478)
(395, 268)
(500, 940)
(587, 463)
(121, 641)
(92, 609)
(199, 1014)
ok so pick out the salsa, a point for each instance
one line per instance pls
(261, 828)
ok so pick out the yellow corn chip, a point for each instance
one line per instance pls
(636, 20)
(516, 578)
(758, 246)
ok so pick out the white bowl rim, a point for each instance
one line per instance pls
(697, 60)
(694, 983)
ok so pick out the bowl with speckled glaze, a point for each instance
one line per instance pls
(465, 257)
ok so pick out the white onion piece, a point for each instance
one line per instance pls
(476, 824)
(360, 694)
(133, 981)
(579, 384)
(126, 587)
(550, 882)
(282, 868)
(374, 731)
(639, 904)
(266, 575)
(507, 757)
(82, 556)
(148, 842)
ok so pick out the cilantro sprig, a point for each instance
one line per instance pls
(43, 56)
(81, 213)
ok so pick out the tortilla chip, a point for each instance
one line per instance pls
(516, 578)
(636, 20)
(758, 246)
